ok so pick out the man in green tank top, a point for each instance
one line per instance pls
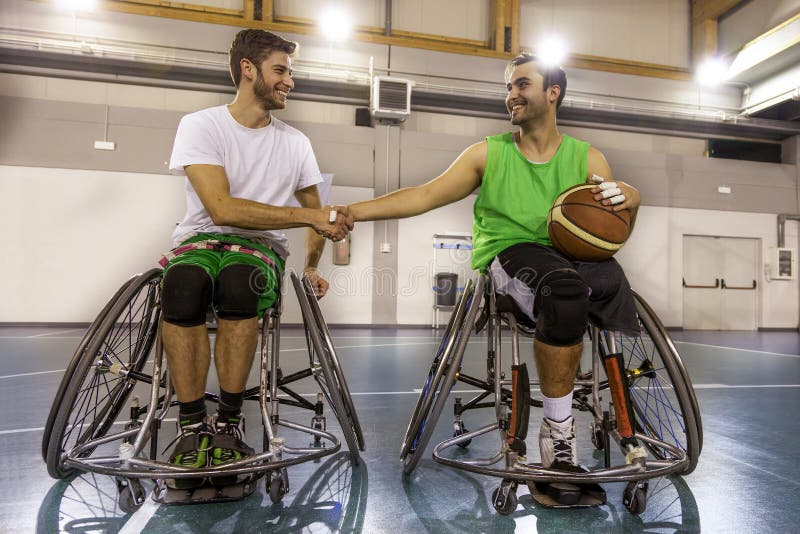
(520, 174)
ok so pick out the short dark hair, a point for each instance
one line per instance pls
(553, 75)
(255, 45)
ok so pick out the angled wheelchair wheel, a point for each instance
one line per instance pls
(76, 358)
(332, 388)
(95, 391)
(441, 376)
(662, 396)
(336, 366)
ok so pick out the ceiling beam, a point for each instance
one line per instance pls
(705, 14)
(508, 16)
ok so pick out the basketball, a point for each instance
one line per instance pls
(583, 229)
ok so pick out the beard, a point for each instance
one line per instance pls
(266, 95)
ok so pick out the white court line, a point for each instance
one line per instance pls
(140, 517)
(735, 348)
(36, 373)
(56, 333)
(417, 391)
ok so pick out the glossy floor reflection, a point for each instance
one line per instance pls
(747, 480)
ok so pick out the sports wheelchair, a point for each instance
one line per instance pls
(652, 412)
(121, 356)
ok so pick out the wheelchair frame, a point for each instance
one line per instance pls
(673, 446)
(110, 361)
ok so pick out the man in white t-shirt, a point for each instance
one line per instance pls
(243, 166)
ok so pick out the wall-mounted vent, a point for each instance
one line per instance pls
(391, 98)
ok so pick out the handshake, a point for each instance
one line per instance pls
(334, 222)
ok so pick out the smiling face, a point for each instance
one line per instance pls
(273, 81)
(527, 98)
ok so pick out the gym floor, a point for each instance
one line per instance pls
(747, 480)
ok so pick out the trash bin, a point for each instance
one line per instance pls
(445, 287)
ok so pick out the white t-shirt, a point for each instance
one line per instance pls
(266, 165)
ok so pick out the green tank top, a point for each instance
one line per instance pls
(516, 194)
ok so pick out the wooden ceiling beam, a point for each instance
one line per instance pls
(239, 18)
(705, 14)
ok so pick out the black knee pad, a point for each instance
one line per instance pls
(237, 291)
(186, 295)
(562, 308)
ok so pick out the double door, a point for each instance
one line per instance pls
(720, 289)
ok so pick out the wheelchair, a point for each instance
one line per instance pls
(121, 357)
(636, 391)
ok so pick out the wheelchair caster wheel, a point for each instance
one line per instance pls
(635, 497)
(277, 485)
(504, 499)
(596, 432)
(131, 496)
(459, 430)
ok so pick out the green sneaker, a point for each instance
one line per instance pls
(227, 445)
(191, 451)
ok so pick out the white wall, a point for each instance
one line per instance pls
(74, 236)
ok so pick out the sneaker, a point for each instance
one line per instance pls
(227, 445)
(557, 442)
(191, 451)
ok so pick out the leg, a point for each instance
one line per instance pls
(185, 298)
(188, 357)
(234, 351)
(546, 286)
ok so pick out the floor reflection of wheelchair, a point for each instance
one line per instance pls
(332, 498)
(651, 414)
(121, 358)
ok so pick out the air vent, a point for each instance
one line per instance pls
(391, 98)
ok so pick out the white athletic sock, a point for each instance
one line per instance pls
(558, 409)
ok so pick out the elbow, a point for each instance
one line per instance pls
(221, 215)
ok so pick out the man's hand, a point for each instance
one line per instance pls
(618, 194)
(319, 284)
(349, 217)
(331, 224)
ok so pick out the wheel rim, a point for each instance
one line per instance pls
(125, 342)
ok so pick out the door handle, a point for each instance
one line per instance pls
(716, 284)
(750, 288)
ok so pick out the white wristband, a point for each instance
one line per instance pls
(332, 216)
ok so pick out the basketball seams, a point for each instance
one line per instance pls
(582, 234)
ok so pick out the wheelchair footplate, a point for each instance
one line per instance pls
(207, 493)
(567, 494)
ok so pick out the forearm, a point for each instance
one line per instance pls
(314, 246)
(252, 215)
(399, 204)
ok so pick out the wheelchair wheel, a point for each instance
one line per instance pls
(441, 377)
(328, 379)
(93, 395)
(336, 367)
(76, 357)
(661, 394)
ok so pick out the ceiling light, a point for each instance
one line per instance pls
(551, 50)
(335, 24)
(713, 71)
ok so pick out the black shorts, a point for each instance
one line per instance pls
(517, 271)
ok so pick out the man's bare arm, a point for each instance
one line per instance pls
(454, 184)
(212, 186)
(315, 243)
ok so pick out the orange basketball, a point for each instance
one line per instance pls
(583, 229)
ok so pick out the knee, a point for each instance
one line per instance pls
(237, 291)
(562, 301)
(186, 295)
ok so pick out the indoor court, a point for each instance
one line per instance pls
(160, 159)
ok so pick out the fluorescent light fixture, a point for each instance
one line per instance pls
(552, 50)
(77, 5)
(712, 71)
(335, 24)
